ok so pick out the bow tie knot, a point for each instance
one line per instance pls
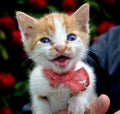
(76, 80)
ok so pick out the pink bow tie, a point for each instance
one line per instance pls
(76, 80)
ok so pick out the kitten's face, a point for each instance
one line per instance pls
(55, 41)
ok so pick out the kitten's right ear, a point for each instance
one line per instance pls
(25, 23)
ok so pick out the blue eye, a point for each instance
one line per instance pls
(45, 40)
(71, 37)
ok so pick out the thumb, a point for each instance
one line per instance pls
(100, 106)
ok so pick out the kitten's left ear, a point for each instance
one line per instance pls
(82, 17)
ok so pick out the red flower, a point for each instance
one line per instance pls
(38, 3)
(5, 110)
(70, 12)
(104, 26)
(109, 1)
(68, 5)
(7, 23)
(6, 80)
(16, 37)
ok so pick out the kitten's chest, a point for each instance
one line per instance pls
(59, 99)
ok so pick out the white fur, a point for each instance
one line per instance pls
(58, 98)
(60, 32)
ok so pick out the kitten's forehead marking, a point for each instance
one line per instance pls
(60, 31)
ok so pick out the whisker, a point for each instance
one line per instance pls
(25, 62)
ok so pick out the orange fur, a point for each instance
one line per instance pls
(44, 27)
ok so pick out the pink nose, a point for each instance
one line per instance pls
(60, 48)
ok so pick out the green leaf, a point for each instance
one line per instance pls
(52, 8)
(93, 4)
(4, 53)
(4, 99)
(21, 1)
(2, 35)
(21, 88)
(93, 29)
(107, 14)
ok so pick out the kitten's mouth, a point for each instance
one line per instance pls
(61, 61)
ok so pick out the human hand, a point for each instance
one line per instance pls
(100, 106)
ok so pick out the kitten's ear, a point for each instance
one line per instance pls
(25, 23)
(82, 17)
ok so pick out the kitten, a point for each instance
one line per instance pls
(58, 43)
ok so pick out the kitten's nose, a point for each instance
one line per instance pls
(60, 48)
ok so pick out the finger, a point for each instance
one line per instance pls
(100, 106)
(118, 112)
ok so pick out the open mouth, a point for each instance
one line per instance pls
(61, 61)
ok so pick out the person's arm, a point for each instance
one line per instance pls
(97, 58)
(106, 63)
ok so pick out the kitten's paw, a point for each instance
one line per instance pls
(77, 105)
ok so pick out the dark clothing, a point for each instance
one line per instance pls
(104, 57)
(26, 109)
